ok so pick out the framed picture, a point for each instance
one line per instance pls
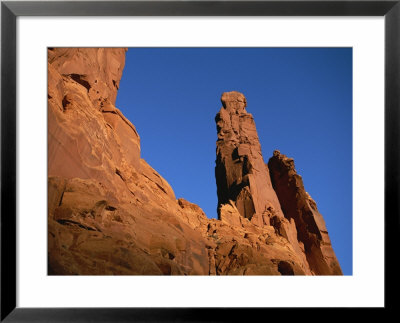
(355, 44)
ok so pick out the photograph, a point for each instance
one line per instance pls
(161, 160)
(200, 161)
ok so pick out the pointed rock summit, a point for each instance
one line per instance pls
(270, 195)
(298, 205)
(241, 173)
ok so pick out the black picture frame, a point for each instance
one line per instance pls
(10, 10)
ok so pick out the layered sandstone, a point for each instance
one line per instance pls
(240, 171)
(298, 205)
(111, 213)
(244, 182)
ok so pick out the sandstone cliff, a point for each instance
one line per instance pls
(109, 212)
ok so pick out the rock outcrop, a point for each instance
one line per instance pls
(244, 183)
(241, 173)
(298, 205)
(111, 213)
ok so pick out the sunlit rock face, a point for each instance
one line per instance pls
(270, 195)
(111, 213)
(241, 173)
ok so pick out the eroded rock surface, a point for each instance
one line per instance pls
(111, 213)
(243, 179)
(240, 171)
(298, 205)
(246, 191)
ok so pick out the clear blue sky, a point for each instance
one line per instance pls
(301, 100)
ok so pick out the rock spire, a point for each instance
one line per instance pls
(270, 195)
(298, 205)
(241, 173)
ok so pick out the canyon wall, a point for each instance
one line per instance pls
(111, 213)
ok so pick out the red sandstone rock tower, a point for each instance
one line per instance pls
(298, 205)
(241, 173)
(244, 180)
(111, 213)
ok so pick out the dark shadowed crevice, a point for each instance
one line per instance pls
(285, 268)
(80, 79)
(65, 103)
